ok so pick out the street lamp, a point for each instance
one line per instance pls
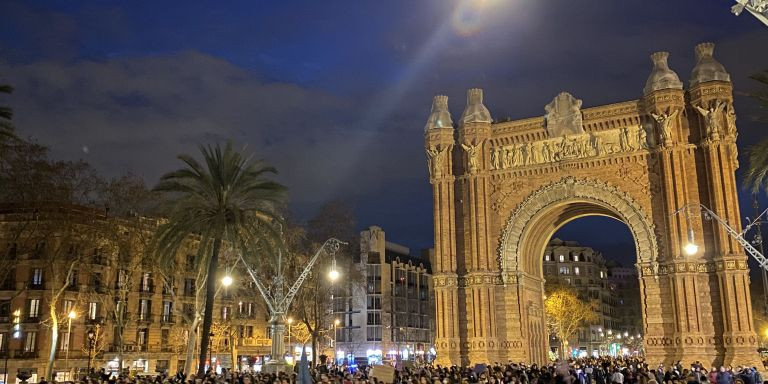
(333, 274)
(278, 300)
(16, 335)
(226, 281)
(91, 345)
(336, 323)
(71, 316)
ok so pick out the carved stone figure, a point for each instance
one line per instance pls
(597, 145)
(546, 152)
(642, 138)
(534, 154)
(563, 115)
(509, 157)
(624, 142)
(730, 122)
(472, 157)
(664, 121)
(435, 156)
(711, 121)
(524, 154)
(495, 158)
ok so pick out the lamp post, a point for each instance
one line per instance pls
(290, 324)
(278, 301)
(336, 323)
(16, 335)
(70, 316)
(91, 344)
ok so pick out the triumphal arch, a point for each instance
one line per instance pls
(501, 189)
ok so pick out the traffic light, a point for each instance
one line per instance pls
(17, 324)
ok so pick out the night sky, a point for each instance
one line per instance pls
(335, 94)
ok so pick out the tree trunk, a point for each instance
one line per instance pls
(210, 293)
(54, 341)
(233, 350)
(314, 349)
(191, 341)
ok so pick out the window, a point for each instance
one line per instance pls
(64, 341)
(72, 281)
(145, 309)
(575, 270)
(373, 278)
(96, 280)
(30, 341)
(374, 318)
(146, 282)
(373, 333)
(565, 270)
(142, 339)
(547, 257)
(37, 277)
(167, 311)
(562, 258)
(225, 311)
(374, 302)
(189, 287)
(122, 278)
(165, 335)
(602, 274)
(93, 310)
(4, 342)
(34, 308)
(68, 306)
(575, 257)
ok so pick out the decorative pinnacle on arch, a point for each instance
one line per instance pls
(707, 67)
(475, 112)
(662, 77)
(440, 117)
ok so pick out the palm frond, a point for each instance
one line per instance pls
(757, 173)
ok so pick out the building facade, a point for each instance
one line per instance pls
(79, 261)
(390, 314)
(612, 288)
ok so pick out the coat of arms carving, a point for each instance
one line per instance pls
(564, 116)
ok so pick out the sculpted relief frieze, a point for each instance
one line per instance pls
(569, 147)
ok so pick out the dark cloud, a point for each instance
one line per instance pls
(139, 113)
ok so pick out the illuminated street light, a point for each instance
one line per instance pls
(333, 274)
(226, 281)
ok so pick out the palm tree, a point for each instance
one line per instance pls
(757, 173)
(228, 201)
(6, 128)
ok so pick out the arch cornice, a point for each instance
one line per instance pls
(603, 196)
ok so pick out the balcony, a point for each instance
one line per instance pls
(95, 320)
(22, 354)
(143, 317)
(255, 342)
(150, 288)
(36, 286)
(5, 319)
(167, 319)
(32, 319)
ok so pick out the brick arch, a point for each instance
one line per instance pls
(533, 222)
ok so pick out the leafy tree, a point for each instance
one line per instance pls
(313, 306)
(227, 200)
(757, 173)
(566, 313)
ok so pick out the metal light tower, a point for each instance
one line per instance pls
(278, 301)
(758, 8)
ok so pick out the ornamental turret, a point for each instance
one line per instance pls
(662, 77)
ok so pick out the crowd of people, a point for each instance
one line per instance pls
(579, 371)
